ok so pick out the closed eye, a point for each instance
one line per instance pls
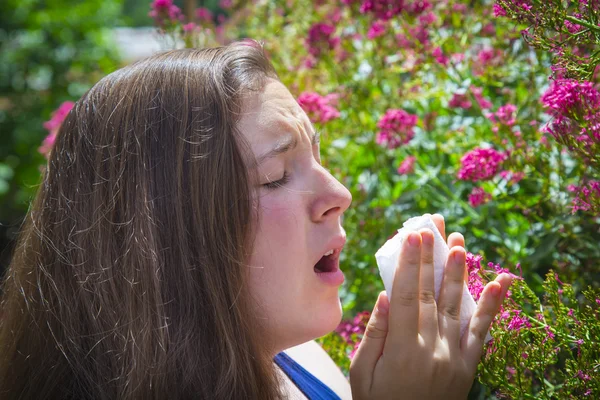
(278, 183)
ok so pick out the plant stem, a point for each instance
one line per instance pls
(581, 22)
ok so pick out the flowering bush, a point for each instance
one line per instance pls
(442, 107)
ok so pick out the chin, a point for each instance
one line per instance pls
(328, 319)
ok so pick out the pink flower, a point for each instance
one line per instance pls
(407, 166)
(478, 197)
(204, 14)
(320, 39)
(499, 11)
(478, 93)
(571, 27)
(58, 116)
(505, 115)
(225, 4)
(439, 56)
(460, 100)
(517, 323)
(319, 109)
(570, 98)
(189, 27)
(586, 196)
(376, 30)
(480, 164)
(164, 11)
(418, 6)
(52, 125)
(383, 9)
(396, 128)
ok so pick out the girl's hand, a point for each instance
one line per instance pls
(412, 347)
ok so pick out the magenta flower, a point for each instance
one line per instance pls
(320, 39)
(164, 11)
(460, 100)
(226, 4)
(478, 93)
(383, 9)
(189, 27)
(52, 125)
(517, 323)
(376, 30)
(478, 197)
(204, 14)
(499, 11)
(417, 7)
(586, 196)
(439, 56)
(505, 115)
(571, 98)
(480, 164)
(319, 108)
(396, 128)
(407, 166)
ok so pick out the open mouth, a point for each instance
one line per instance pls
(327, 263)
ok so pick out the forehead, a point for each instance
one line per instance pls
(271, 115)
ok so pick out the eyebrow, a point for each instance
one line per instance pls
(285, 145)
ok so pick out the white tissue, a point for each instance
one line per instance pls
(387, 259)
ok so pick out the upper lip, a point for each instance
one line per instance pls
(336, 244)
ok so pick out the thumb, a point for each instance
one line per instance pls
(371, 346)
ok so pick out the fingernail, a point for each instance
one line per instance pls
(459, 256)
(495, 290)
(427, 239)
(413, 239)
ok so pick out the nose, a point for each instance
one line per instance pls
(331, 197)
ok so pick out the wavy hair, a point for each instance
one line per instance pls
(128, 278)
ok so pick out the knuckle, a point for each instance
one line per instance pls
(406, 298)
(427, 296)
(479, 335)
(451, 311)
(374, 331)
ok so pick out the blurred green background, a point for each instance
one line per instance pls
(53, 51)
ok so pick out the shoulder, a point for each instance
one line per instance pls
(315, 360)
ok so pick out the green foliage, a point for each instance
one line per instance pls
(50, 52)
(556, 356)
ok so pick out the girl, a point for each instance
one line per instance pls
(185, 234)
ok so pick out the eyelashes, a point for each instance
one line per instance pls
(278, 183)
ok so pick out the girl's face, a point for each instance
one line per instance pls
(294, 285)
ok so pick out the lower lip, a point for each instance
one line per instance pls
(333, 278)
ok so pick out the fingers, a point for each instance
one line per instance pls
(404, 304)
(489, 304)
(428, 324)
(456, 239)
(371, 346)
(440, 224)
(451, 296)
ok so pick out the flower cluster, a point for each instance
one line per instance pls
(352, 331)
(321, 39)
(407, 166)
(319, 108)
(382, 9)
(52, 126)
(395, 128)
(575, 108)
(505, 115)
(480, 164)
(587, 197)
(165, 13)
(478, 197)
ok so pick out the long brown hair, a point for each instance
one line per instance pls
(127, 280)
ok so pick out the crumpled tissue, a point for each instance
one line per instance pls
(387, 259)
